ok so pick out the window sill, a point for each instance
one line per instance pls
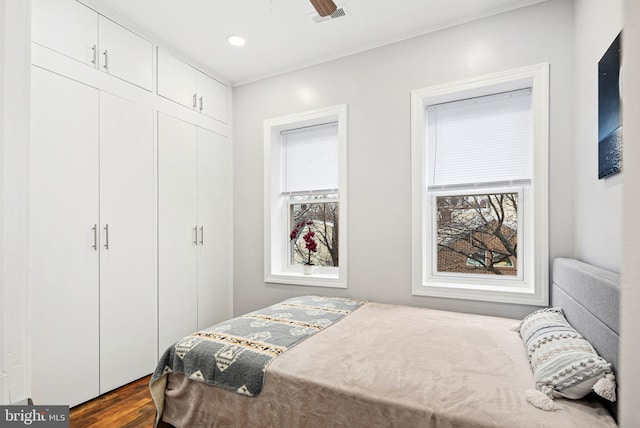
(500, 294)
(313, 280)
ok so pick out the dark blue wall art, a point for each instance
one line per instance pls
(609, 123)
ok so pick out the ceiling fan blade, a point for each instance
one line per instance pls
(324, 7)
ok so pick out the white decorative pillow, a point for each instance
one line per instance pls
(564, 363)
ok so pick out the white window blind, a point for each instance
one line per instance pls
(310, 158)
(480, 140)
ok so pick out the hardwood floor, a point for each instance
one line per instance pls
(130, 406)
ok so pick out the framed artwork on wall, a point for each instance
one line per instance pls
(609, 119)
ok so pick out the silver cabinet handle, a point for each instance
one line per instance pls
(201, 103)
(106, 60)
(95, 237)
(195, 231)
(106, 237)
(195, 97)
(201, 235)
(94, 49)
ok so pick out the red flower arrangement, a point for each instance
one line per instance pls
(310, 243)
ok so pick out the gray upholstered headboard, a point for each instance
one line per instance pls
(589, 297)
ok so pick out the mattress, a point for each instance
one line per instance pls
(388, 366)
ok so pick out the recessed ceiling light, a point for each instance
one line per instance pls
(236, 40)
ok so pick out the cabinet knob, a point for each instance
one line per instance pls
(106, 60)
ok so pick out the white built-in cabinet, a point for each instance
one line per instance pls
(130, 203)
(194, 223)
(74, 30)
(186, 85)
(92, 240)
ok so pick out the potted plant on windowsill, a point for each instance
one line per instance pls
(309, 242)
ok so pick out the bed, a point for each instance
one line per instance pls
(396, 366)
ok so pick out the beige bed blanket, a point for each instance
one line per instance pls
(389, 366)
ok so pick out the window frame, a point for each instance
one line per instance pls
(533, 289)
(277, 268)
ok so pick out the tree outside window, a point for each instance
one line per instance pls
(322, 217)
(478, 233)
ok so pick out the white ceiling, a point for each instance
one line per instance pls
(281, 35)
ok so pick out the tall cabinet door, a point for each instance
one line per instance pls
(128, 242)
(214, 219)
(63, 253)
(177, 234)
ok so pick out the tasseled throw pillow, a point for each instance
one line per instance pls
(564, 363)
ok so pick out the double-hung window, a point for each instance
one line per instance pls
(311, 189)
(479, 188)
(305, 204)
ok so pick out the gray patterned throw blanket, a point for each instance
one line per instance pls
(235, 354)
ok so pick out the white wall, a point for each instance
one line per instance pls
(15, 39)
(598, 203)
(630, 311)
(375, 85)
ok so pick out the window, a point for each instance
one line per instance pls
(479, 188)
(305, 198)
(478, 231)
(320, 215)
(310, 185)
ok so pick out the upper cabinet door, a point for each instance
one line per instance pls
(125, 54)
(212, 97)
(67, 27)
(176, 80)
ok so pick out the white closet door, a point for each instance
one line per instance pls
(64, 265)
(176, 80)
(177, 218)
(128, 259)
(125, 54)
(212, 97)
(65, 26)
(214, 208)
